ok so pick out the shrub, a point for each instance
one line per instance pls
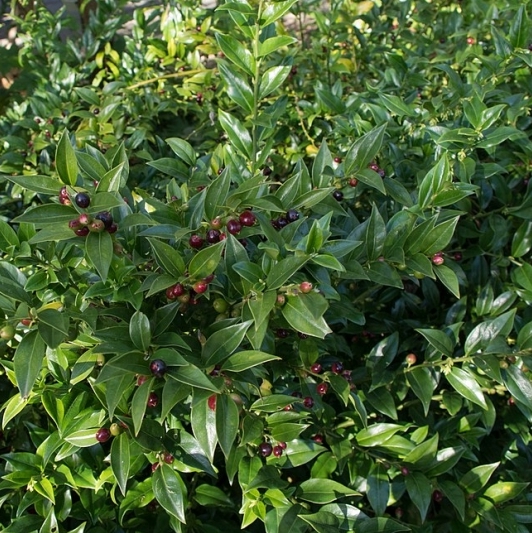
(312, 314)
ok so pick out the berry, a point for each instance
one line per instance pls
(318, 439)
(353, 182)
(265, 449)
(213, 236)
(282, 333)
(437, 259)
(63, 193)
(437, 496)
(26, 321)
(277, 451)
(170, 293)
(337, 367)
(247, 218)
(292, 215)
(302, 335)
(106, 218)
(305, 287)
(96, 226)
(399, 513)
(200, 287)
(211, 402)
(153, 400)
(216, 223)
(113, 228)
(74, 224)
(234, 227)
(316, 368)
(178, 290)
(308, 402)
(457, 256)
(266, 171)
(84, 219)
(158, 368)
(7, 332)
(411, 359)
(338, 196)
(220, 305)
(196, 242)
(82, 232)
(115, 429)
(168, 458)
(154, 467)
(141, 379)
(470, 40)
(405, 471)
(103, 435)
(322, 388)
(82, 200)
(282, 445)
(337, 159)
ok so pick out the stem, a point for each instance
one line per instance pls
(256, 84)
(163, 77)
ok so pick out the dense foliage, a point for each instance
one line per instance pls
(265, 273)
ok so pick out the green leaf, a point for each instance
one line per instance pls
(466, 385)
(272, 403)
(38, 184)
(204, 263)
(304, 313)
(170, 491)
(66, 163)
(363, 151)
(378, 488)
(139, 404)
(371, 179)
(210, 495)
(139, 331)
(237, 133)
(455, 495)
(272, 80)
(43, 215)
(519, 385)
(285, 269)
(193, 376)
(223, 343)
(203, 421)
(261, 306)
(99, 250)
(503, 491)
(448, 278)
(121, 460)
(237, 53)
(237, 87)
(113, 180)
(420, 491)
(519, 29)
(247, 359)
(272, 44)
(12, 408)
(438, 340)
(396, 105)
(477, 478)
(322, 521)
(323, 491)
(275, 10)
(522, 239)
(422, 456)
(216, 195)
(420, 379)
(485, 332)
(227, 422)
(53, 327)
(183, 150)
(433, 182)
(168, 258)
(378, 434)
(27, 361)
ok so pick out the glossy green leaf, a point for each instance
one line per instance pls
(241, 361)
(420, 379)
(438, 339)
(139, 331)
(378, 488)
(139, 404)
(65, 160)
(43, 215)
(364, 150)
(377, 434)
(519, 385)
(236, 53)
(193, 376)
(272, 79)
(170, 491)
(121, 460)
(28, 361)
(99, 250)
(477, 478)
(168, 257)
(227, 422)
(204, 263)
(420, 491)
(465, 384)
(323, 490)
(53, 327)
(203, 421)
(183, 150)
(216, 196)
(223, 343)
(305, 314)
(274, 11)
(273, 44)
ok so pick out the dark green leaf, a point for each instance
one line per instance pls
(65, 160)
(170, 491)
(121, 460)
(168, 258)
(227, 422)
(304, 313)
(223, 343)
(420, 491)
(28, 361)
(99, 250)
(323, 490)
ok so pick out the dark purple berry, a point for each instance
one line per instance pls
(266, 171)
(106, 218)
(265, 449)
(82, 200)
(103, 435)
(113, 228)
(74, 224)
(277, 451)
(338, 196)
(308, 402)
(213, 236)
(282, 222)
(247, 218)
(153, 400)
(196, 241)
(337, 367)
(282, 333)
(158, 368)
(234, 227)
(292, 215)
(82, 232)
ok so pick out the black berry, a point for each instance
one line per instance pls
(292, 215)
(265, 449)
(213, 236)
(158, 368)
(82, 200)
(196, 241)
(106, 218)
(338, 195)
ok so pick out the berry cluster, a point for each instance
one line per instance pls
(266, 449)
(290, 216)
(182, 294)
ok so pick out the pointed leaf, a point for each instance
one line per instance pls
(170, 491)
(65, 160)
(27, 361)
(99, 249)
(120, 460)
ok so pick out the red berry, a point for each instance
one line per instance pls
(277, 451)
(84, 219)
(457, 256)
(170, 293)
(211, 402)
(113, 228)
(305, 287)
(154, 467)
(158, 368)
(196, 241)
(234, 227)
(82, 232)
(316, 368)
(74, 224)
(318, 439)
(103, 435)
(178, 290)
(282, 333)
(337, 367)
(353, 182)
(141, 379)
(200, 287)
(437, 496)
(209, 278)
(437, 259)
(63, 193)
(470, 40)
(247, 218)
(265, 449)
(308, 402)
(153, 400)
(337, 160)
(405, 471)
(322, 388)
(282, 445)
(168, 458)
